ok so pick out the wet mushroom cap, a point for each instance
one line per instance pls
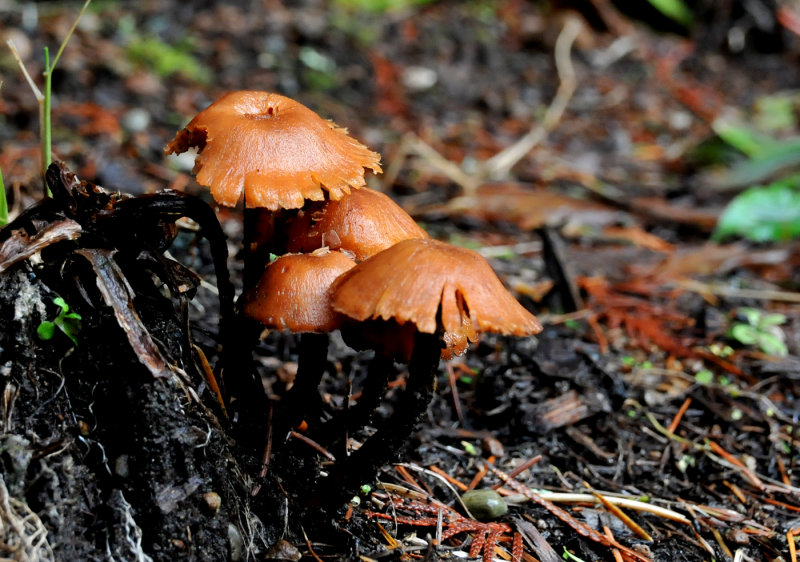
(293, 293)
(273, 150)
(362, 223)
(414, 279)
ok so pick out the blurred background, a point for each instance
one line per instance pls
(467, 78)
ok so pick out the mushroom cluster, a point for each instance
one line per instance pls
(351, 259)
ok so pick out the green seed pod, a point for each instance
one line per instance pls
(485, 505)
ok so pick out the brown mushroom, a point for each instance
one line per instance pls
(436, 288)
(417, 280)
(273, 150)
(293, 294)
(362, 223)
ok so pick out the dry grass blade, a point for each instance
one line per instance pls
(628, 503)
(746, 472)
(622, 516)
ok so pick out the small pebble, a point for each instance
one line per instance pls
(213, 501)
(418, 78)
(121, 468)
(485, 505)
(283, 550)
(136, 120)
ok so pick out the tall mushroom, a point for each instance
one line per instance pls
(437, 288)
(273, 151)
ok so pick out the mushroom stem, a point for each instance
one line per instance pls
(362, 466)
(380, 369)
(302, 402)
(344, 423)
(257, 242)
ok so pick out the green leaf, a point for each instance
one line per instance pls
(753, 315)
(772, 344)
(166, 60)
(70, 324)
(61, 303)
(763, 214)
(704, 377)
(46, 330)
(741, 137)
(745, 334)
(775, 158)
(774, 319)
(776, 112)
(378, 6)
(469, 448)
(675, 10)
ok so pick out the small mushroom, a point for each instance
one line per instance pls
(362, 223)
(293, 294)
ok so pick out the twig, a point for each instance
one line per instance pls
(746, 472)
(482, 471)
(677, 419)
(210, 378)
(622, 516)
(501, 163)
(617, 554)
(37, 93)
(314, 445)
(455, 482)
(310, 548)
(521, 468)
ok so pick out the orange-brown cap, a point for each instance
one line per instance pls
(274, 150)
(362, 223)
(294, 292)
(415, 279)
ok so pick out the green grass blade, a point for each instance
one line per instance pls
(676, 10)
(47, 135)
(3, 202)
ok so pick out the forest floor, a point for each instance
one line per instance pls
(668, 371)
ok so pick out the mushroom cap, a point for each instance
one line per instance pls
(274, 150)
(362, 223)
(294, 292)
(416, 280)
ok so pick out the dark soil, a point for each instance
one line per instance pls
(113, 451)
